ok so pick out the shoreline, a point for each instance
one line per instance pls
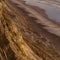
(42, 12)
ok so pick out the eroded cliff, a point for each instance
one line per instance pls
(21, 38)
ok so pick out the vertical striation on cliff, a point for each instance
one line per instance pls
(19, 41)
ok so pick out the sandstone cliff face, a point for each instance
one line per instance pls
(19, 39)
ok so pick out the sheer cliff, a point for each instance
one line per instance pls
(21, 38)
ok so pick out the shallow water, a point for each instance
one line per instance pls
(52, 10)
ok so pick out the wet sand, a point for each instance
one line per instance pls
(50, 8)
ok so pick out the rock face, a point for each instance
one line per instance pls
(20, 39)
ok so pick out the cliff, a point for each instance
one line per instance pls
(21, 38)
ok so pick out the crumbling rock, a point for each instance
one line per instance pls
(22, 43)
